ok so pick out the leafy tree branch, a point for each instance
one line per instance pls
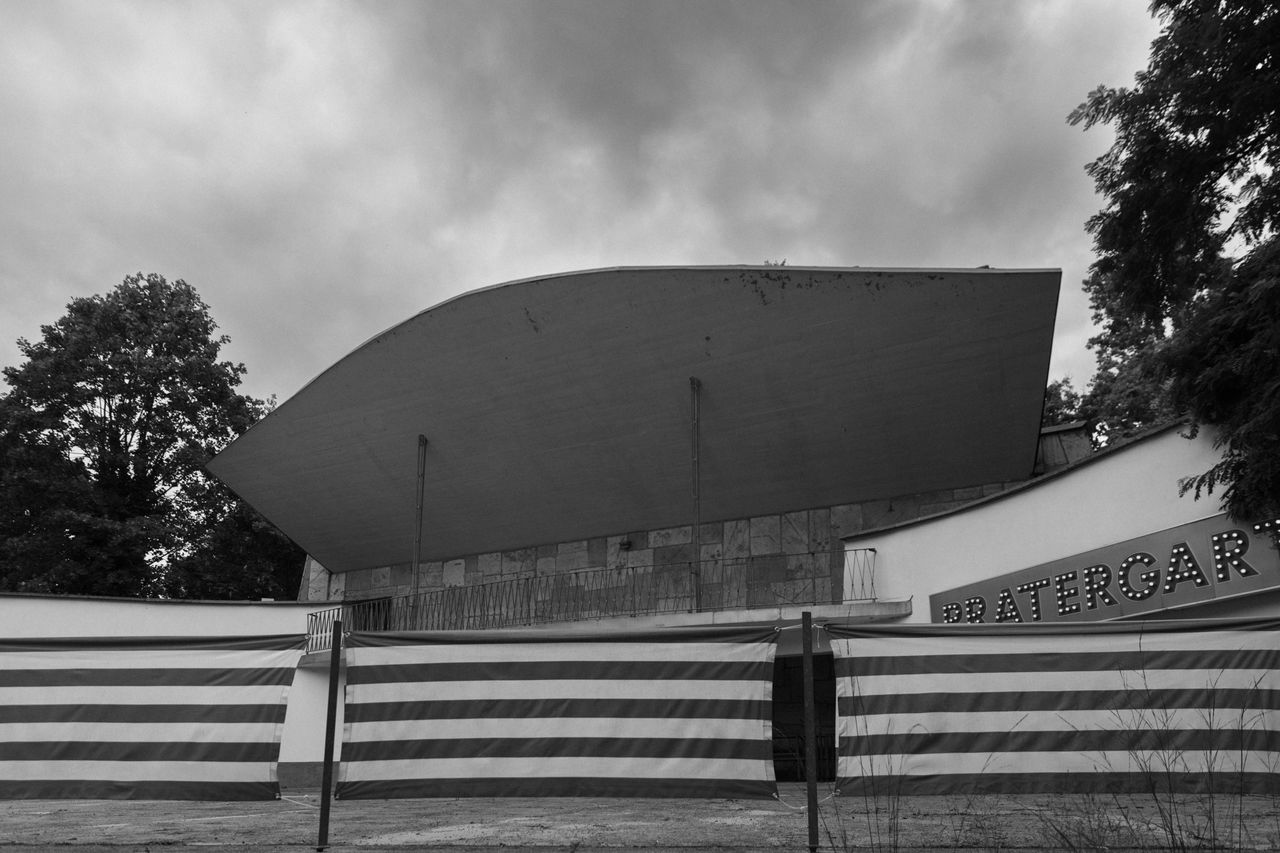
(104, 434)
(1184, 287)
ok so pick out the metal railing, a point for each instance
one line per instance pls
(860, 574)
(726, 584)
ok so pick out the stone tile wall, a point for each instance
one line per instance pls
(789, 557)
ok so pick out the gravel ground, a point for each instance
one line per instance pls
(583, 825)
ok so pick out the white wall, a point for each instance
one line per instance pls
(27, 616)
(66, 616)
(1119, 495)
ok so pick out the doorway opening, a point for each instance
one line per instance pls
(788, 717)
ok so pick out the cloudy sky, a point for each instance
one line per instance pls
(320, 171)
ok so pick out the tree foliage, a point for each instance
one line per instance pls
(1061, 403)
(1225, 372)
(104, 434)
(1184, 242)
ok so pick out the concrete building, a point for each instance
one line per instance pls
(655, 446)
(670, 446)
(634, 448)
(632, 442)
(645, 447)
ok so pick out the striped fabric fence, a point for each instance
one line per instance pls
(669, 713)
(143, 718)
(1109, 707)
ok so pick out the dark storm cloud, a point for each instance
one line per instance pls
(320, 171)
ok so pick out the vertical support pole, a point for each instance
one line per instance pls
(331, 723)
(695, 406)
(417, 534)
(810, 730)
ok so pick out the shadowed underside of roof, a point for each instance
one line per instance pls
(559, 408)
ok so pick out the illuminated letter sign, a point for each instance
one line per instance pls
(1182, 566)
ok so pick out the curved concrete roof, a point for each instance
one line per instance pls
(558, 408)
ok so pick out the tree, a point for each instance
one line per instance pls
(1193, 201)
(238, 555)
(1061, 403)
(1128, 393)
(48, 538)
(104, 434)
(1226, 372)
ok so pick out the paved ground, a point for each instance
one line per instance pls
(582, 825)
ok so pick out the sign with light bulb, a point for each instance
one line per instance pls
(1190, 564)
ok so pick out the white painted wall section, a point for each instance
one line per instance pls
(1120, 494)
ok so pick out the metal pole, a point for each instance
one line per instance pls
(810, 730)
(417, 536)
(331, 723)
(695, 404)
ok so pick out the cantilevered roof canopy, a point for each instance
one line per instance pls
(559, 408)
